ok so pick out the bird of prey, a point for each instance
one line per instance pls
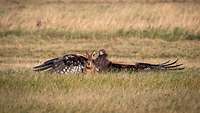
(74, 63)
(103, 64)
(70, 63)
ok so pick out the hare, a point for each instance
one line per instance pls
(90, 66)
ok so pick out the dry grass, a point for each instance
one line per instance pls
(102, 17)
(114, 92)
(129, 31)
(129, 50)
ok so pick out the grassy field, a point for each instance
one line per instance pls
(32, 31)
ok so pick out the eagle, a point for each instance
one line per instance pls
(69, 63)
(102, 63)
(99, 62)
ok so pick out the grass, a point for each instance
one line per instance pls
(129, 31)
(113, 92)
(141, 80)
(160, 33)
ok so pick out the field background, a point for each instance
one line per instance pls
(32, 31)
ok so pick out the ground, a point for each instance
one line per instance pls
(34, 31)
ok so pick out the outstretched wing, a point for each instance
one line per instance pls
(147, 66)
(70, 63)
(162, 66)
(104, 64)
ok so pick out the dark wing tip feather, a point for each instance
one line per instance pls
(162, 66)
(46, 65)
(171, 66)
(42, 68)
(168, 64)
(179, 68)
(165, 62)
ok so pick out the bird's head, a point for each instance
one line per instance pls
(102, 52)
